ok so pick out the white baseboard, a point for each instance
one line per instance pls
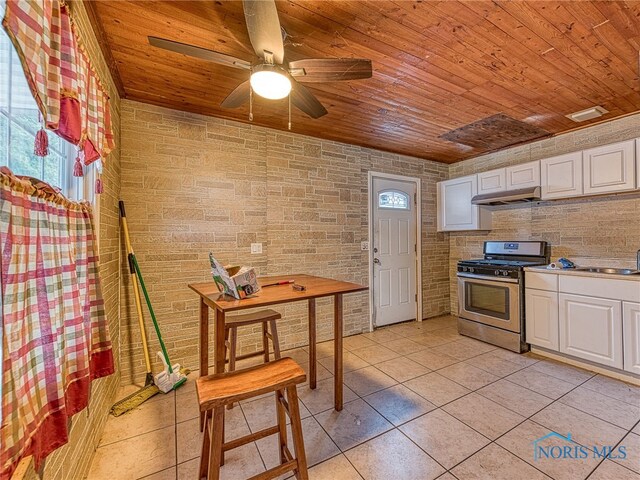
(617, 374)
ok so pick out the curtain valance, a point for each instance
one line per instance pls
(64, 83)
(55, 337)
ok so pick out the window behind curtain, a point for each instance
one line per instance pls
(19, 123)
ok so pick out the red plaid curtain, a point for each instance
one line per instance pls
(55, 337)
(62, 79)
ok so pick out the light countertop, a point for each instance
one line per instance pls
(578, 273)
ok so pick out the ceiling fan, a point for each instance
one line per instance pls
(270, 76)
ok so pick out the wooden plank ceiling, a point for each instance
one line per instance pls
(438, 65)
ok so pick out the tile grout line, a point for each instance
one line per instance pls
(340, 450)
(396, 427)
(467, 361)
(491, 441)
(630, 431)
(605, 459)
(607, 395)
(254, 443)
(474, 391)
(530, 418)
(175, 441)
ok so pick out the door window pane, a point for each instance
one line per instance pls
(393, 199)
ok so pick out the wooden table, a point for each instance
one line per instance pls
(316, 287)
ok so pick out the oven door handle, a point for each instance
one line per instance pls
(489, 278)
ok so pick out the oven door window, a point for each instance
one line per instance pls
(491, 300)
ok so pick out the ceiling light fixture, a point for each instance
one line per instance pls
(270, 81)
(588, 114)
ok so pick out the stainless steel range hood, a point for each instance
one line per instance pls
(522, 195)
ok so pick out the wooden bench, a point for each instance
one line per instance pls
(217, 391)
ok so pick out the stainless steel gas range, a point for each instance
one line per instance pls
(491, 292)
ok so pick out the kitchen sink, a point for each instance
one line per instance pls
(612, 271)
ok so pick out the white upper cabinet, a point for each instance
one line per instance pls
(610, 168)
(523, 176)
(562, 176)
(492, 181)
(631, 335)
(455, 211)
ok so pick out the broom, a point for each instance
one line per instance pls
(173, 376)
(150, 389)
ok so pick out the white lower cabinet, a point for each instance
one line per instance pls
(591, 328)
(542, 318)
(631, 334)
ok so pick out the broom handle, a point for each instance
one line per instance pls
(136, 290)
(153, 315)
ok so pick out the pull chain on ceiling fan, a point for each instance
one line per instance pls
(270, 76)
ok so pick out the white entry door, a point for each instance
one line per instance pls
(394, 250)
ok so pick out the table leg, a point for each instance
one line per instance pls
(337, 345)
(312, 343)
(204, 338)
(204, 348)
(219, 352)
(219, 360)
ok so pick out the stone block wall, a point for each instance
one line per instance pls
(72, 461)
(194, 184)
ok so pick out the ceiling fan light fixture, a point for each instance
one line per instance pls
(270, 82)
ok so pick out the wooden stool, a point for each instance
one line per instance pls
(220, 389)
(268, 319)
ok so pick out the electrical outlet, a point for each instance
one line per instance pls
(256, 248)
(364, 246)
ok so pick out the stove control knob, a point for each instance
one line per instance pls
(471, 270)
(505, 273)
(464, 269)
(496, 273)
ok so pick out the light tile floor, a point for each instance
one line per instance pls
(421, 402)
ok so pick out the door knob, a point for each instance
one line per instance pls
(376, 260)
(375, 250)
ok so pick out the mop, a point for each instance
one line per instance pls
(171, 378)
(150, 389)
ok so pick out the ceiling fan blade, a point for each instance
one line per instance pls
(263, 25)
(303, 99)
(201, 53)
(330, 69)
(239, 96)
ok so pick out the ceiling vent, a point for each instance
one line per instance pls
(588, 114)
